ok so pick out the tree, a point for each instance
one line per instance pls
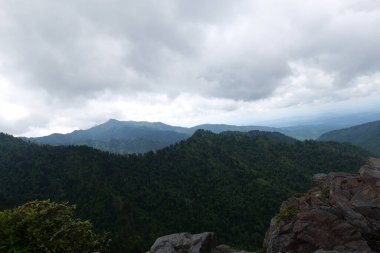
(45, 226)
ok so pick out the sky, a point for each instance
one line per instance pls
(72, 64)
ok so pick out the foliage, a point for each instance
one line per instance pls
(325, 192)
(298, 194)
(231, 183)
(366, 136)
(124, 137)
(119, 137)
(45, 226)
(286, 213)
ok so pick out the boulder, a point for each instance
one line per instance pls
(188, 243)
(371, 173)
(184, 243)
(227, 249)
(319, 179)
(341, 213)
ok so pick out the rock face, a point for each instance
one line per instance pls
(184, 242)
(340, 214)
(188, 243)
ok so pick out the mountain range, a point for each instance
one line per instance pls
(365, 135)
(139, 137)
(231, 183)
(133, 136)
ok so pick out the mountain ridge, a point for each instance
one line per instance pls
(143, 136)
(231, 183)
(365, 135)
(134, 136)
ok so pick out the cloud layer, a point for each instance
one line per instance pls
(70, 64)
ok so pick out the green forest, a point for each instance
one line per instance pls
(230, 183)
(366, 136)
(47, 227)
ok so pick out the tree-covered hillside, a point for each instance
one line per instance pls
(231, 183)
(125, 137)
(366, 136)
(47, 227)
(121, 137)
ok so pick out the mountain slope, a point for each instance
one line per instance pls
(304, 132)
(366, 136)
(218, 128)
(120, 137)
(231, 183)
(133, 136)
(140, 136)
(123, 137)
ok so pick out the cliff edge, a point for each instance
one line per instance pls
(341, 213)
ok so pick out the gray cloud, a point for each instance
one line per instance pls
(285, 53)
(76, 48)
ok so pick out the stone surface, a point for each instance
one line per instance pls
(340, 214)
(188, 243)
(184, 242)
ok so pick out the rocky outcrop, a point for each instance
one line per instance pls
(340, 214)
(188, 243)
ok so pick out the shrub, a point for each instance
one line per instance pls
(325, 193)
(299, 194)
(287, 213)
(45, 226)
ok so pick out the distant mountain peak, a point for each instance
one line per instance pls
(112, 120)
(121, 136)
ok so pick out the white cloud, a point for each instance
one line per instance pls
(70, 64)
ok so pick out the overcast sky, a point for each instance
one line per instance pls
(71, 64)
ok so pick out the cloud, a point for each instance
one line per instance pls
(57, 59)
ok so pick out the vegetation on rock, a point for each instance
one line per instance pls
(287, 212)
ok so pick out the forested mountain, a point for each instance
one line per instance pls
(124, 137)
(304, 132)
(218, 128)
(120, 136)
(366, 136)
(231, 183)
(134, 136)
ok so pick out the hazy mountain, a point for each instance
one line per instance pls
(350, 119)
(314, 127)
(338, 120)
(141, 136)
(366, 136)
(134, 136)
(218, 128)
(120, 136)
(231, 183)
(304, 132)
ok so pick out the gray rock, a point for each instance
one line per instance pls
(188, 243)
(334, 251)
(227, 249)
(319, 179)
(341, 214)
(371, 172)
(184, 243)
(224, 249)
